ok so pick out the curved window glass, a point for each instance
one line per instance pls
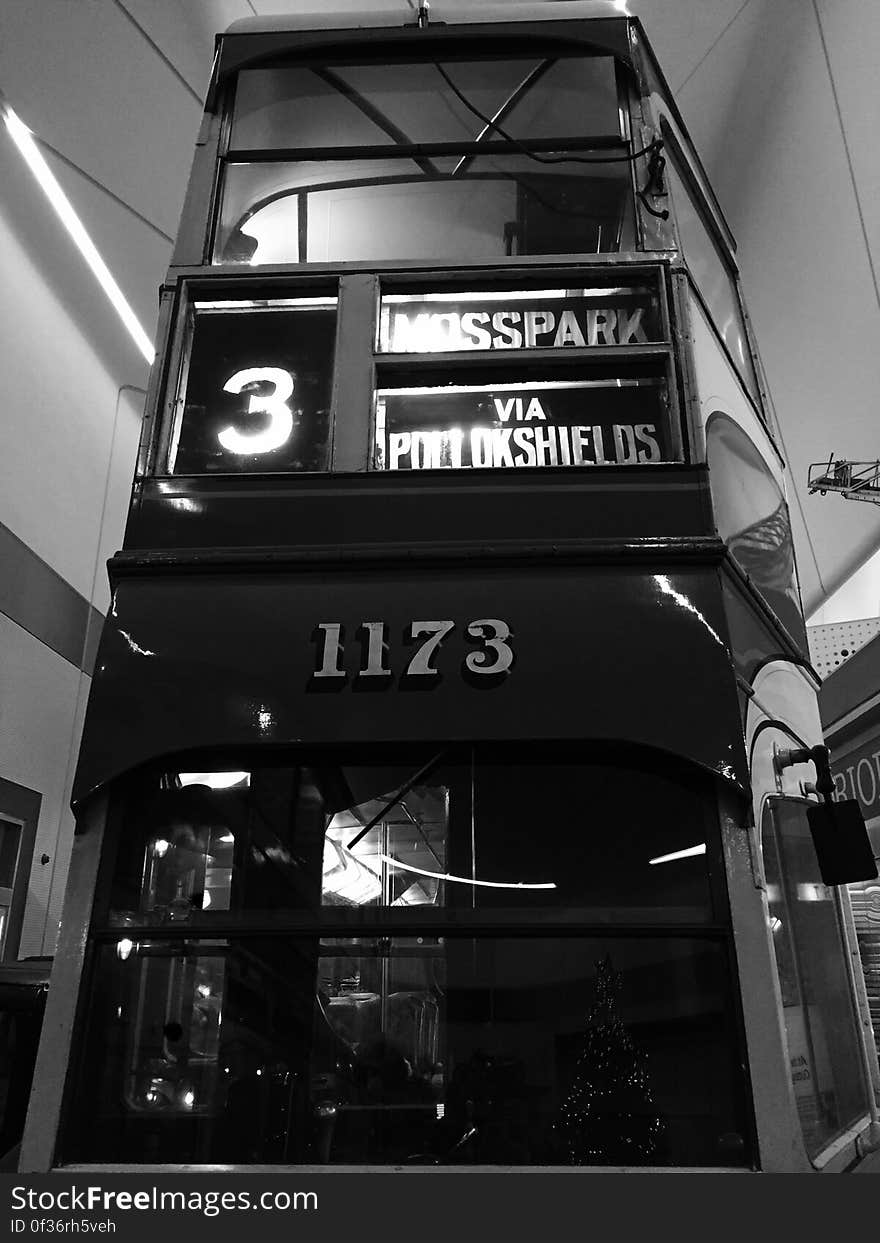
(820, 1026)
(752, 519)
(711, 274)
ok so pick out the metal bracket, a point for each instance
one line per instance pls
(819, 756)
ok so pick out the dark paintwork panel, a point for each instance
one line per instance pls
(328, 511)
(600, 653)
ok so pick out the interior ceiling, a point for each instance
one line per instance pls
(775, 93)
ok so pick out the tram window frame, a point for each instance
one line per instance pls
(679, 166)
(380, 55)
(817, 1055)
(116, 943)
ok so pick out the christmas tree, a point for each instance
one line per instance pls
(609, 1116)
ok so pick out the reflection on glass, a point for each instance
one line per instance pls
(335, 211)
(413, 832)
(471, 834)
(459, 1051)
(172, 1060)
(823, 1050)
(187, 868)
(752, 518)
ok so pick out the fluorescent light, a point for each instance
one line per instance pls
(681, 854)
(24, 140)
(216, 781)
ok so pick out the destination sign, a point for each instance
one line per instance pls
(619, 314)
(510, 426)
(256, 391)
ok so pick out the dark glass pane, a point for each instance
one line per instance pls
(257, 391)
(602, 833)
(753, 520)
(498, 1051)
(612, 841)
(213, 847)
(347, 105)
(820, 1026)
(618, 422)
(438, 208)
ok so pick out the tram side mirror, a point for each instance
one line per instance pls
(841, 841)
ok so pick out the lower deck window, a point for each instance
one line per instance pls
(820, 1025)
(498, 1050)
(460, 959)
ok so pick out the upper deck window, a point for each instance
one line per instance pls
(368, 105)
(711, 272)
(434, 161)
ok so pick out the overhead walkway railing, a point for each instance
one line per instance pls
(855, 481)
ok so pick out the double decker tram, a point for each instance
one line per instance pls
(443, 794)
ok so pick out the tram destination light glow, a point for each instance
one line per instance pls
(604, 315)
(621, 422)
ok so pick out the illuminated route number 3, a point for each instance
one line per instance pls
(492, 654)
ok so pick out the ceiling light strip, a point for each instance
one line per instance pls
(23, 139)
(680, 854)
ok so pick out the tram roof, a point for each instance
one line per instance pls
(457, 14)
(251, 39)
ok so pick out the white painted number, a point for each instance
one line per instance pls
(331, 650)
(495, 655)
(420, 665)
(275, 405)
(376, 649)
(494, 634)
